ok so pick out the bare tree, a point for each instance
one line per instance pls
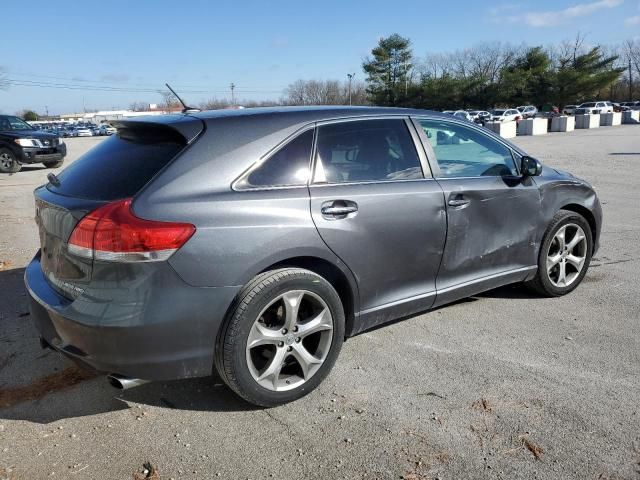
(324, 92)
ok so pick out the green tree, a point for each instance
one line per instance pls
(388, 70)
(29, 115)
(529, 79)
(581, 78)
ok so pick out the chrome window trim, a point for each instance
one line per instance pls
(407, 121)
(481, 130)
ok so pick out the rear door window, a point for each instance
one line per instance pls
(119, 166)
(366, 151)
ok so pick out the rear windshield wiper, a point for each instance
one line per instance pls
(53, 180)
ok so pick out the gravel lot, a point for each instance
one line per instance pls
(503, 385)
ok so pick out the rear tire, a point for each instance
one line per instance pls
(8, 161)
(564, 256)
(282, 338)
(56, 164)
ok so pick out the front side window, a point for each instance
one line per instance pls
(365, 151)
(465, 152)
(288, 167)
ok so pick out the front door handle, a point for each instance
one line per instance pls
(338, 208)
(458, 201)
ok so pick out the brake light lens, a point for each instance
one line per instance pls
(113, 233)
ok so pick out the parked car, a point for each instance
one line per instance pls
(629, 106)
(83, 132)
(480, 116)
(106, 129)
(463, 115)
(22, 144)
(177, 268)
(569, 109)
(448, 112)
(594, 108)
(528, 111)
(505, 115)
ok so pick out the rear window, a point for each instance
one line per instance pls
(120, 165)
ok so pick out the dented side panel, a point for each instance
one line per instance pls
(497, 231)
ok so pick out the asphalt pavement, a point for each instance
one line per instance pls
(504, 385)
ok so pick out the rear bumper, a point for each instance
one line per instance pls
(162, 329)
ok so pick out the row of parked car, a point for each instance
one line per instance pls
(530, 111)
(79, 130)
(495, 115)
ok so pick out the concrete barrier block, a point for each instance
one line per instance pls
(533, 126)
(563, 124)
(610, 119)
(588, 121)
(632, 116)
(504, 129)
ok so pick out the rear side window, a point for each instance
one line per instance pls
(366, 151)
(119, 166)
(287, 167)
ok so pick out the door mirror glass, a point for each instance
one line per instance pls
(530, 167)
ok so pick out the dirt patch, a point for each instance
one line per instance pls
(5, 265)
(149, 472)
(482, 405)
(7, 474)
(43, 386)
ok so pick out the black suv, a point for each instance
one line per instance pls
(20, 143)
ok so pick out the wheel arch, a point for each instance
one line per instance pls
(347, 291)
(587, 214)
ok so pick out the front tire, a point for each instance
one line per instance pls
(565, 255)
(8, 161)
(56, 164)
(282, 338)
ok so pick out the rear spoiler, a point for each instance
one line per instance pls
(186, 127)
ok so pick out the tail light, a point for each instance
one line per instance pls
(113, 233)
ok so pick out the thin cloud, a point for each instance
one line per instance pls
(552, 18)
(115, 77)
(632, 21)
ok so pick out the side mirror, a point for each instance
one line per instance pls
(530, 167)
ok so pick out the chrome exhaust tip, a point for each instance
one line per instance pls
(124, 383)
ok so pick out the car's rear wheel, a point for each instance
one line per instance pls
(565, 255)
(282, 338)
(55, 164)
(8, 161)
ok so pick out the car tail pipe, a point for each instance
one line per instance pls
(124, 383)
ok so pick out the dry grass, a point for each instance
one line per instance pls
(43, 386)
(536, 450)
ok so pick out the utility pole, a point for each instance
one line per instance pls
(350, 76)
(46, 109)
(233, 98)
(630, 80)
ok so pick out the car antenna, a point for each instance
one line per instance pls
(186, 108)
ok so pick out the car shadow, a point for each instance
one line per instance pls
(624, 153)
(42, 386)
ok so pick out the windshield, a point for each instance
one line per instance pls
(588, 104)
(498, 112)
(8, 122)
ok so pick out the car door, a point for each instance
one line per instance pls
(377, 207)
(492, 212)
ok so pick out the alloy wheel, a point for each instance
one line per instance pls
(567, 255)
(6, 160)
(290, 340)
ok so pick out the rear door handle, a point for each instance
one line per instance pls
(338, 208)
(458, 201)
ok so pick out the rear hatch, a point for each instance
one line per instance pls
(117, 168)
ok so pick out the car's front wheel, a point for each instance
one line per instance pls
(565, 255)
(54, 164)
(282, 338)
(8, 162)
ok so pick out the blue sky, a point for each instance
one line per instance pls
(261, 46)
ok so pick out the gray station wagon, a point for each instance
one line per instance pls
(251, 243)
